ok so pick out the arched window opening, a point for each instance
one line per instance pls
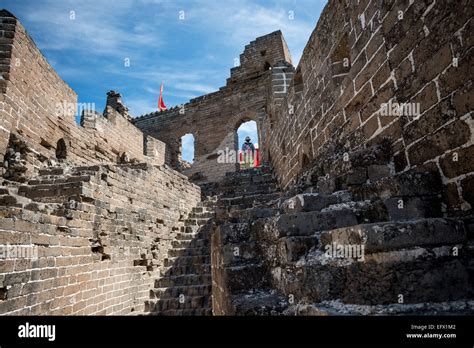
(248, 145)
(61, 149)
(267, 66)
(187, 150)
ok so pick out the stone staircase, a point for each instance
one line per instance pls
(238, 268)
(60, 184)
(357, 238)
(275, 253)
(184, 287)
(183, 282)
(50, 191)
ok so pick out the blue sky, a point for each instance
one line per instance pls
(89, 47)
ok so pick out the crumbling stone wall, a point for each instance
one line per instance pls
(363, 54)
(214, 118)
(101, 234)
(38, 107)
(93, 239)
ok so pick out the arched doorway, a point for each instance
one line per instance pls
(249, 151)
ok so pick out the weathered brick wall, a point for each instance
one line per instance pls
(399, 51)
(214, 118)
(101, 234)
(39, 107)
(6, 40)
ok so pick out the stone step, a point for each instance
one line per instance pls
(191, 229)
(247, 190)
(247, 276)
(186, 312)
(195, 222)
(58, 172)
(191, 302)
(260, 171)
(287, 250)
(175, 292)
(197, 210)
(187, 269)
(186, 279)
(409, 208)
(359, 175)
(10, 200)
(235, 213)
(201, 215)
(183, 236)
(248, 201)
(240, 253)
(198, 231)
(187, 260)
(230, 232)
(188, 236)
(192, 232)
(406, 184)
(397, 235)
(92, 170)
(58, 180)
(259, 303)
(308, 223)
(345, 168)
(53, 193)
(192, 243)
(247, 179)
(5, 191)
(314, 201)
(376, 155)
(248, 184)
(417, 274)
(337, 307)
(188, 252)
(55, 171)
(206, 204)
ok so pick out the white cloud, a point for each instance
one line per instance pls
(195, 87)
(141, 106)
(249, 126)
(91, 27)
(244, 20)
(90, 49)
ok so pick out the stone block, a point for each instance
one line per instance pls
(398, 235)
(357, 176)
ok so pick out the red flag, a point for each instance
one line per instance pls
(161, 104)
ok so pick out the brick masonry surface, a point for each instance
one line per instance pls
(112, 221)
(361, 55)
